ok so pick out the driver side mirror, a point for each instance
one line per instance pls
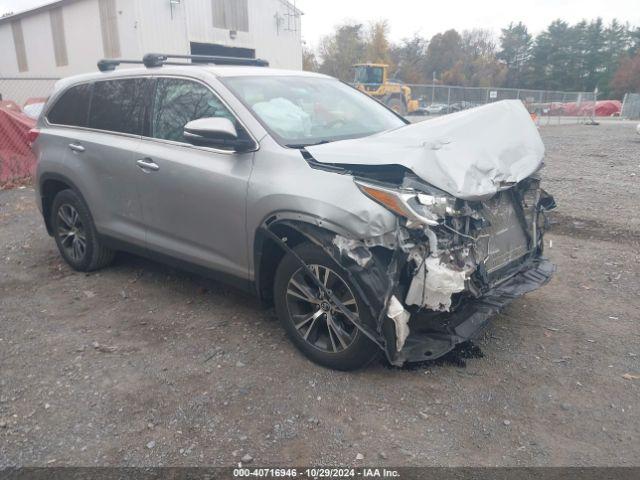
(216, 132)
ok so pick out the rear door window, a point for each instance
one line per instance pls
(119, 105)
(178, 101)
(72, 109)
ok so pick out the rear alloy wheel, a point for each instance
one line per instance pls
(71, 232)
(76, 235)
(314, 323)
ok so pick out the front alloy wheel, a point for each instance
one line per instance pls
(313, 322)
(317, 320)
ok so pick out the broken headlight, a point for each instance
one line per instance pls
(418, 208)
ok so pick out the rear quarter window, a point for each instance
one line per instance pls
(72, 108)
(119, 105)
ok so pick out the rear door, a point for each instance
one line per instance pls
(108, 152)
(93, 131)
(193, 198)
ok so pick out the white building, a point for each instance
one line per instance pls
(67, 37)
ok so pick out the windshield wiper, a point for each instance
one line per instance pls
(303, 145)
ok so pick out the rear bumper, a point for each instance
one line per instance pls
(434, 335)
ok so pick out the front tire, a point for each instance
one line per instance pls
(315, 326)
(76, 235)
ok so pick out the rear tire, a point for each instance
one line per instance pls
(75, 233)
(327, 338)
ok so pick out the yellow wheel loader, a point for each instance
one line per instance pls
(372, 79)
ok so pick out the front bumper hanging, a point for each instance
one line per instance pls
(432, 336)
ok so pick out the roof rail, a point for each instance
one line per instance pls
(107, 65)
(159, 59)
(154, 60)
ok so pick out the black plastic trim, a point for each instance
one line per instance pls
(239, 283)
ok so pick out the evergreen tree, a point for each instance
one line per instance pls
(594, 56)
(634, 39)
(617, 45)
(515, 51)
(553, 63)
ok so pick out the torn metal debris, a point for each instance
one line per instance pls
(354, 249)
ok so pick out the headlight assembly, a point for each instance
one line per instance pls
(418, 208)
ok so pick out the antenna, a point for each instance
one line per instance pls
(292, 16)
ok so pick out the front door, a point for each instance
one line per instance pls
(193, 198)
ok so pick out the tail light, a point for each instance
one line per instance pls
(32, 136)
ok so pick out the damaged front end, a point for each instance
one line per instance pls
(463, 260)
(449, 265)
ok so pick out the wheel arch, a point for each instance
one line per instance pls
(373, 284)
(49, 185)
(296, 228)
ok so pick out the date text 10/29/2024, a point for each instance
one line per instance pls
(315, 473)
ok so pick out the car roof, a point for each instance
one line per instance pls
(239, 71)
(188, 70)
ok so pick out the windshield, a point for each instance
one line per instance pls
(369, 75)
(302, 111)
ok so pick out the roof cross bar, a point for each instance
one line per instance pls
(158, 59)
(154, 60)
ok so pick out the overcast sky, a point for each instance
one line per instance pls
(429, 17)
(407, 17)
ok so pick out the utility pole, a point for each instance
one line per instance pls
(592, 121)
(433, 88)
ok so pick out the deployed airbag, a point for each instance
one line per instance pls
(285, 117)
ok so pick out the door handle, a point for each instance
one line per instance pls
(148, 164)
(76, 147)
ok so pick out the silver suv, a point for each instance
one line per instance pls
(369, 234)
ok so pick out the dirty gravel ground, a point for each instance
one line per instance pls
(189, 372)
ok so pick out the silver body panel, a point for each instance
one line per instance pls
(103, 174)
(202, 205)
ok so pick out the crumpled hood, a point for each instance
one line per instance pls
(470, 154)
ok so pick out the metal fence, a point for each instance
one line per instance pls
(545, 106)
(542, 102)
(25, 89)
(631, 106)
(21, 101)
